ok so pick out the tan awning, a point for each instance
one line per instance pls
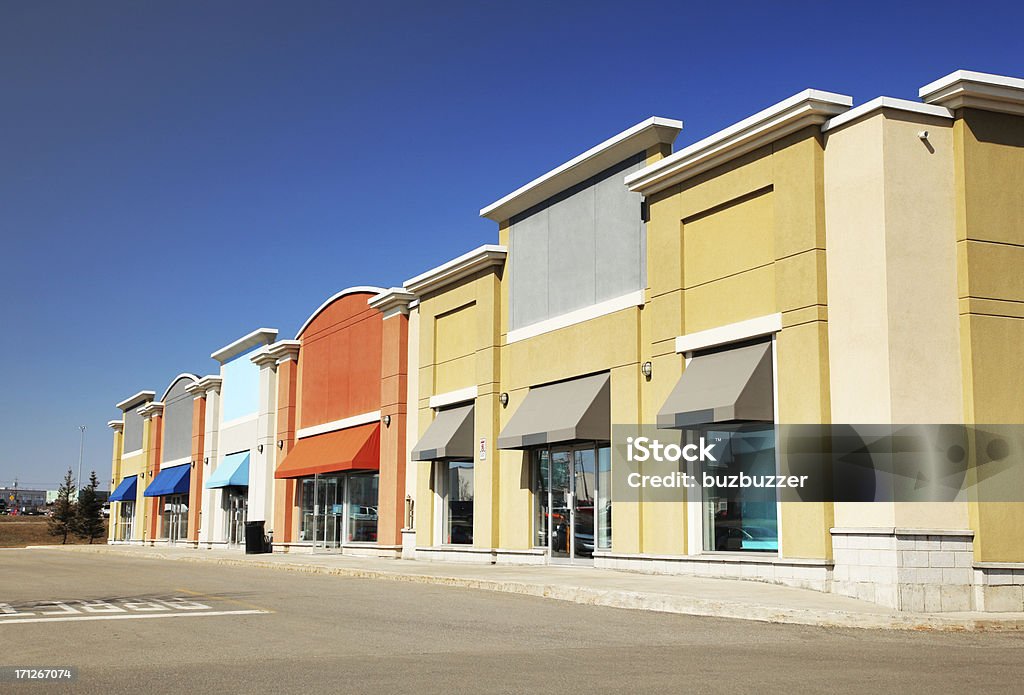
(730, 385)
(578, 409)
(449, 436)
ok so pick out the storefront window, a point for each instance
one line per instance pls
(542, 486)
(457, 500)
(362, 508)
(339, 508)
(603, 511)
(741, 518)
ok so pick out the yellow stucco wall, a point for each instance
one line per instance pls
(989, 170)
(743, 240)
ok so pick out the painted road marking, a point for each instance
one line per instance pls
(127, 616)
(116, 609)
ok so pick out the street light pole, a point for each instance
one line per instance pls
(81, 453)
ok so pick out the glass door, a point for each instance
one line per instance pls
(175, 517)
(237, 511)
(329, 512)
(569, 497)
(126, 521)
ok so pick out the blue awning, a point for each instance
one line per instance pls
(125, 491)
(170, 481)
(233, 470)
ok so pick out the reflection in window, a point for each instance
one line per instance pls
(458, 501)
(741, 519)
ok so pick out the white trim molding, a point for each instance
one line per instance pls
(629, 142)
(809, 107)
(587, 313)
(175, 462)
(342, 424)
(393, 301)
(239, 421)
(261, 336)
(284, 350)
(133, 452)
(889, 104)
(730, 333)
(116, 425)
(452, 397)
(349, 290)
(134, 400)
(979, 90)
(208, 383)
(150, 409)
(467, 264)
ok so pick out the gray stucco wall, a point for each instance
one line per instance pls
(178, 421)
(581, 247)
(132, 430)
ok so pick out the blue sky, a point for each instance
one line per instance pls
(165, 166)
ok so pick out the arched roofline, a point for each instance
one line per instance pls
(175, 380)
(345, 292)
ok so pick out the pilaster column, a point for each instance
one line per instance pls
(115, 472)
(285, 507)
(394, 305)
(152, 440)
(207, 389)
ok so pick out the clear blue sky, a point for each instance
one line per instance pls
(160, 161)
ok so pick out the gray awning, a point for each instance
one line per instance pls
(578, 409)
(732, 385)
(449, 436)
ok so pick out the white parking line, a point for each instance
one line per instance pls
(11, 619)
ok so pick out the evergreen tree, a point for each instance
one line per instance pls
(63, 520)
(89, 516)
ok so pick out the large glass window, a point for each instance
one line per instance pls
(362, 508)
(338, 509)
(740, 518)
(456, 497)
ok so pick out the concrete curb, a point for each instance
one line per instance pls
(630, 600)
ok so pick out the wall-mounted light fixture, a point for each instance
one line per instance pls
(206, 461)
(280, 443)
(193, 464)
(387, 420)
(647, 369)
(503, 399)
(260, 448)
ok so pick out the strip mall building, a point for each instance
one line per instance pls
(815, 263)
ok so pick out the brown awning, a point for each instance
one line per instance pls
(449, 436)
(342, 450)
(729, 385)
(578, 409)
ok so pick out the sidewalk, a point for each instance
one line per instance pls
(721, 598)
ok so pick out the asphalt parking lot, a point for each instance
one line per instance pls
(143, 625)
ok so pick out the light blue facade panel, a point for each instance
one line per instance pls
(240, 390)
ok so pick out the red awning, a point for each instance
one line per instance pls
(341, 450)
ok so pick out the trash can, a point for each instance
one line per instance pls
(255, 542)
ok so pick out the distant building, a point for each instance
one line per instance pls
(23, 499)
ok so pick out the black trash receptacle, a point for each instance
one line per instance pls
(254, 540)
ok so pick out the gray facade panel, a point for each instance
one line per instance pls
(530, 270)
(177, 422)
(583, 246)
(619, 235)
(571, 249)
(132, 430)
